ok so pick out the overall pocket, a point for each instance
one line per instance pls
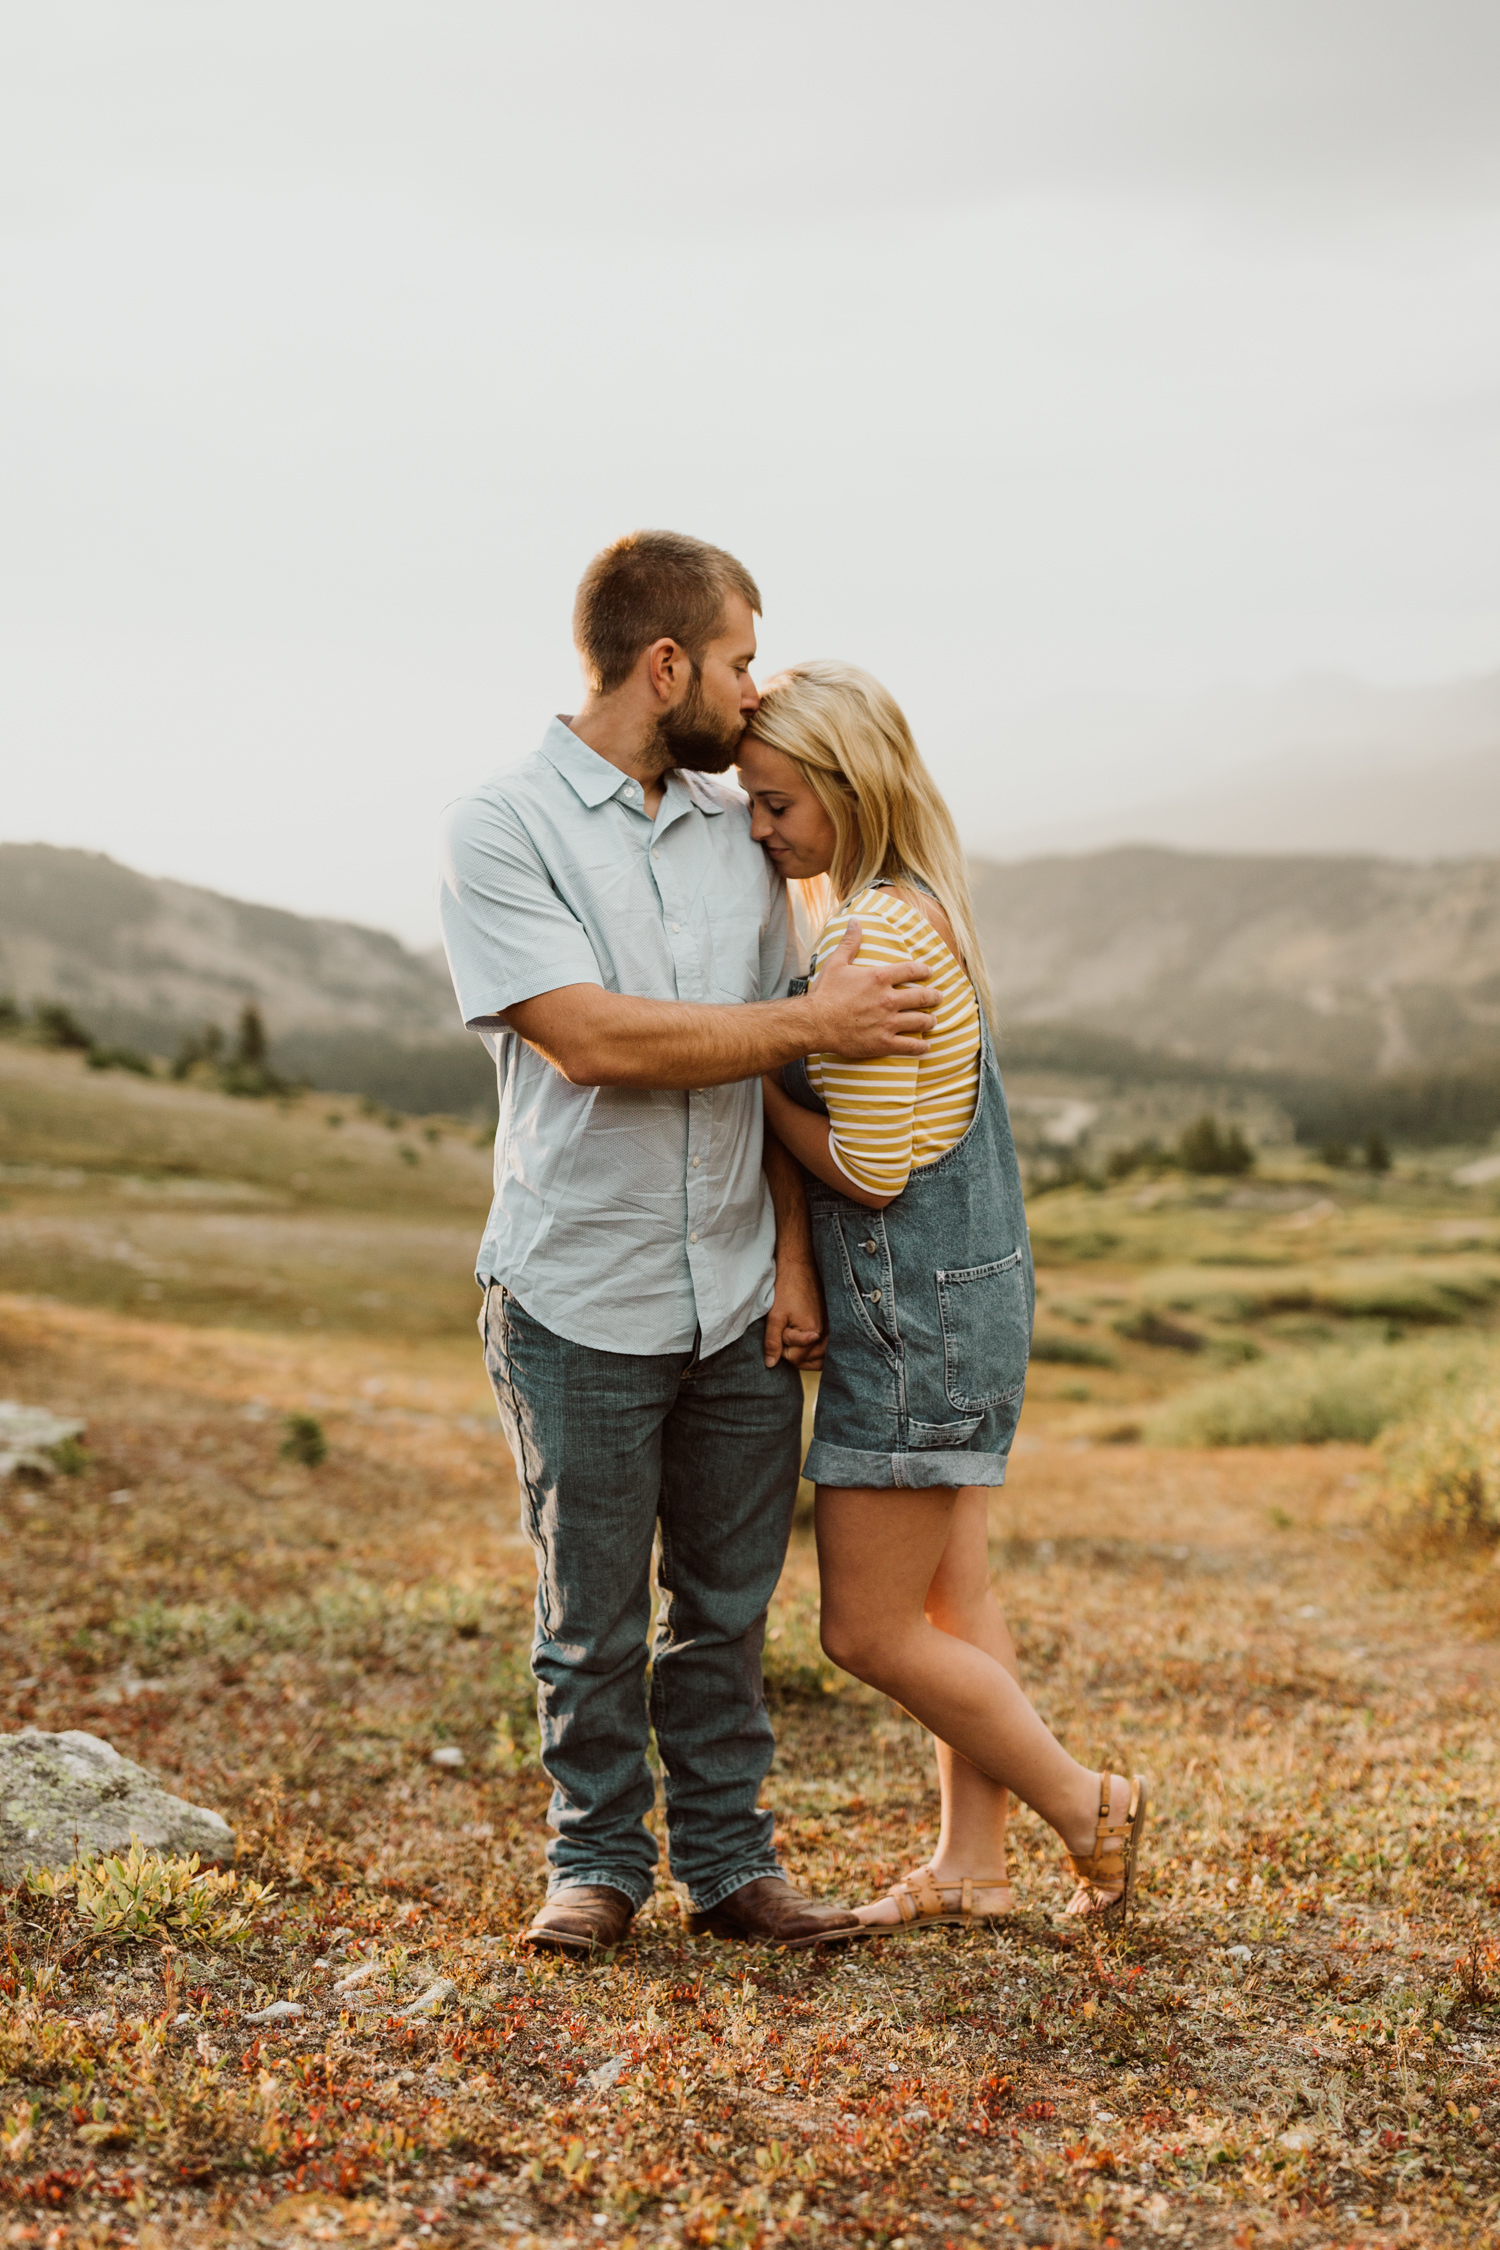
(985, 1315)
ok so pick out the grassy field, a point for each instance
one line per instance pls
(1297, 2040)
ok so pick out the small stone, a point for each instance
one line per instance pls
(1240, 1953)
(185, 2017)
(280, 2011)
(429, 2002)
(27, 1435)
(359, 1976)
(917, 2115)
(448, 1754)
(64, 1795)
(608, 2073)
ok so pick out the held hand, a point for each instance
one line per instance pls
(795, 1323)
(883, 1009)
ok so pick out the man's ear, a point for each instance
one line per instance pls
(667, 665)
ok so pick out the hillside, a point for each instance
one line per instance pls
(161, 956)
(1328, 966)
(141, 961)
(1318, 765)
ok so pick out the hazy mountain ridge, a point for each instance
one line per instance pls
(1330, 967)
(1346, 966)
(1322, 765)
(157, 957)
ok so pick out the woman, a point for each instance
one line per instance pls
(921, 1241)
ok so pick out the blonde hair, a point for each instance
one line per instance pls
(849, 737)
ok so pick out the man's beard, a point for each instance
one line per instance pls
(694, 738)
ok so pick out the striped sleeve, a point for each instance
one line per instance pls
(871, 1104)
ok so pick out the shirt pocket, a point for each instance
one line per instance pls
(985, 1316)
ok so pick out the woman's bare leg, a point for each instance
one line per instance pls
(960, 1601)
(878, 1554)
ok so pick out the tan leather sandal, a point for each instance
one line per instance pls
(1106, 1879)
(924, 1903)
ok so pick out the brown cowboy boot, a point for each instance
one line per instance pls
(772, 1911)
(588, 1918)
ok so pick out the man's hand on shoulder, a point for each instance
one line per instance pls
(884, 1008)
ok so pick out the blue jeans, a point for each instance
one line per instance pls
(607, 1446)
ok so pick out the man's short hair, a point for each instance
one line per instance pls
(652, 586)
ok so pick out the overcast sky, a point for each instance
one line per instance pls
(1037, 356)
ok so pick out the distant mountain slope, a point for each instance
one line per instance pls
(1444, 808)
(156, 957)
(1320, 765)
(1342, 966)
(1326, 966)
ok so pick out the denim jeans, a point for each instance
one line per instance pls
(609, 1445)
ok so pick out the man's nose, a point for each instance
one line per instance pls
(749, 695)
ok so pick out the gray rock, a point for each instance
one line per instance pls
(359, 1976)
(64, 1794)
(27, 1435)
(432, 2001)
(280, 2011)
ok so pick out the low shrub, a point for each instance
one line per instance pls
(1214, 1150)
(1329, 1396)
(1442, 1473)
(57, 1026)
(304, 1440)
(1147, 1326)
(122, 1058)
(1070, 1351)
(143, 1893)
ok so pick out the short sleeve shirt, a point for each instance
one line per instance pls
(628, 1219)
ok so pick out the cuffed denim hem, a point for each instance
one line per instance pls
(901, 1472)
(637, 1888)
(734, 1882)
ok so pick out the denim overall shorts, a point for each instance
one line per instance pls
(930, 1305)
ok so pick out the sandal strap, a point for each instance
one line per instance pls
(920, 1894)
(917, 1896)
(1106, 1863)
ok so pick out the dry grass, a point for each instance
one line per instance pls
(1296, 2041)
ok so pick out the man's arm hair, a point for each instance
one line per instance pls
(794, 1241)
(596, 1038)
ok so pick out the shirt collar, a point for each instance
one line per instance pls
(595, 780)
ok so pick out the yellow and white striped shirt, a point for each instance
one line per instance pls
(896, 1112)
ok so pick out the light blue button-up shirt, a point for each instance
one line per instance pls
(624, 1219)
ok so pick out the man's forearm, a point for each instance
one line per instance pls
(599, 1038)
(788, 1200)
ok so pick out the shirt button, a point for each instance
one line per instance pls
(871, 1246)
(677, 925)
(693, 1236)
(874, 1296)
(697, 1160)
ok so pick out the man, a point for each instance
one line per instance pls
(649, 1285)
